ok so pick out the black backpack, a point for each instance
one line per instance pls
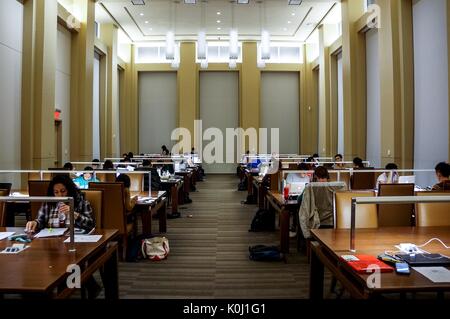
(263, 220)
(265, 253)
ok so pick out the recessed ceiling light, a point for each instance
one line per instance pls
(150, 29)
(293, 14)
(190, 1)
(146, 21)
(219, 28)
(284, 29)
(289, 22)
(219, 13)
(218, 21)
(242, 1)
(141, 14)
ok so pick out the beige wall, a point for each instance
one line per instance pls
(396, 74)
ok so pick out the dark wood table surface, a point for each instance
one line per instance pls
(330, 244)
(158, 206)
(41, 269)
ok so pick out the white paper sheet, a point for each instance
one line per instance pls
(85, 238)
(435, 274)
(50, 232)
(4, 235)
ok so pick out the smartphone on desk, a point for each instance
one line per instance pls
(402, 269)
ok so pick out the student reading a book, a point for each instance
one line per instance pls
(55, 214)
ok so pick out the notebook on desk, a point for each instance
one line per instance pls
(425, 259)
(364, 264)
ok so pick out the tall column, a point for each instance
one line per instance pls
(353, 68)
(250, 78)
(324, 95)
(396, 82)
(188, 79)
(82, 83)
(129, 110)
(108, 34)
(38, 84)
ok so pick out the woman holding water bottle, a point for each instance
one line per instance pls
(54, 215)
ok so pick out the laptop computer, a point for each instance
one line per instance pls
(296, 188)
(407, 179)
(425, 259)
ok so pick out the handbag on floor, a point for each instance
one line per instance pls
(156, 248)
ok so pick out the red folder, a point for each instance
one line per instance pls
(367, 263)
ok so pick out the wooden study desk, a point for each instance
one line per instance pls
(175, 186)
(276, 201)
(41, 269)
(330, 244)
(149, 208)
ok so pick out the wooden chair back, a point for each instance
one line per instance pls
(366, 215)
(136, 182)
(37, 188)
(105, 177)
(395, 214)
(114, 214)
(362, 180)
(3, 192)
(433, 214)
(95, 198)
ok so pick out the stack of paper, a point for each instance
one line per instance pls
(50, 232)
(4, 235)
(85, 238)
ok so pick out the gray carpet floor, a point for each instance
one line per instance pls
(209, 253)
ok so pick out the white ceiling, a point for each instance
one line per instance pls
(284, 22)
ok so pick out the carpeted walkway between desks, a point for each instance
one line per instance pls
(209, 254)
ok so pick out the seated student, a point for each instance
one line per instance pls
(358, 163)
(155, 179)
(299, 177)
(338, 162)
(316, 210)
(165, 151)
(388, 177)
(83, 181)
(130, 202)
(108, 165)
(97, 163)
(53, 215)
(443, 176)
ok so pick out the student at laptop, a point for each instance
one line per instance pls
(388, 177)
(299, 177)
(83, 181)
(155, 180)
(443, 176)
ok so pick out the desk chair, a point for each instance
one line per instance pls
(95, 198)
(37, 188)
(105, 177)
(37, 176)
(362, 180)
(433, 214)
(366, 215)
(396, 214)
(344, 176)
(3, 192)
(114, 213)
(136, 182)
